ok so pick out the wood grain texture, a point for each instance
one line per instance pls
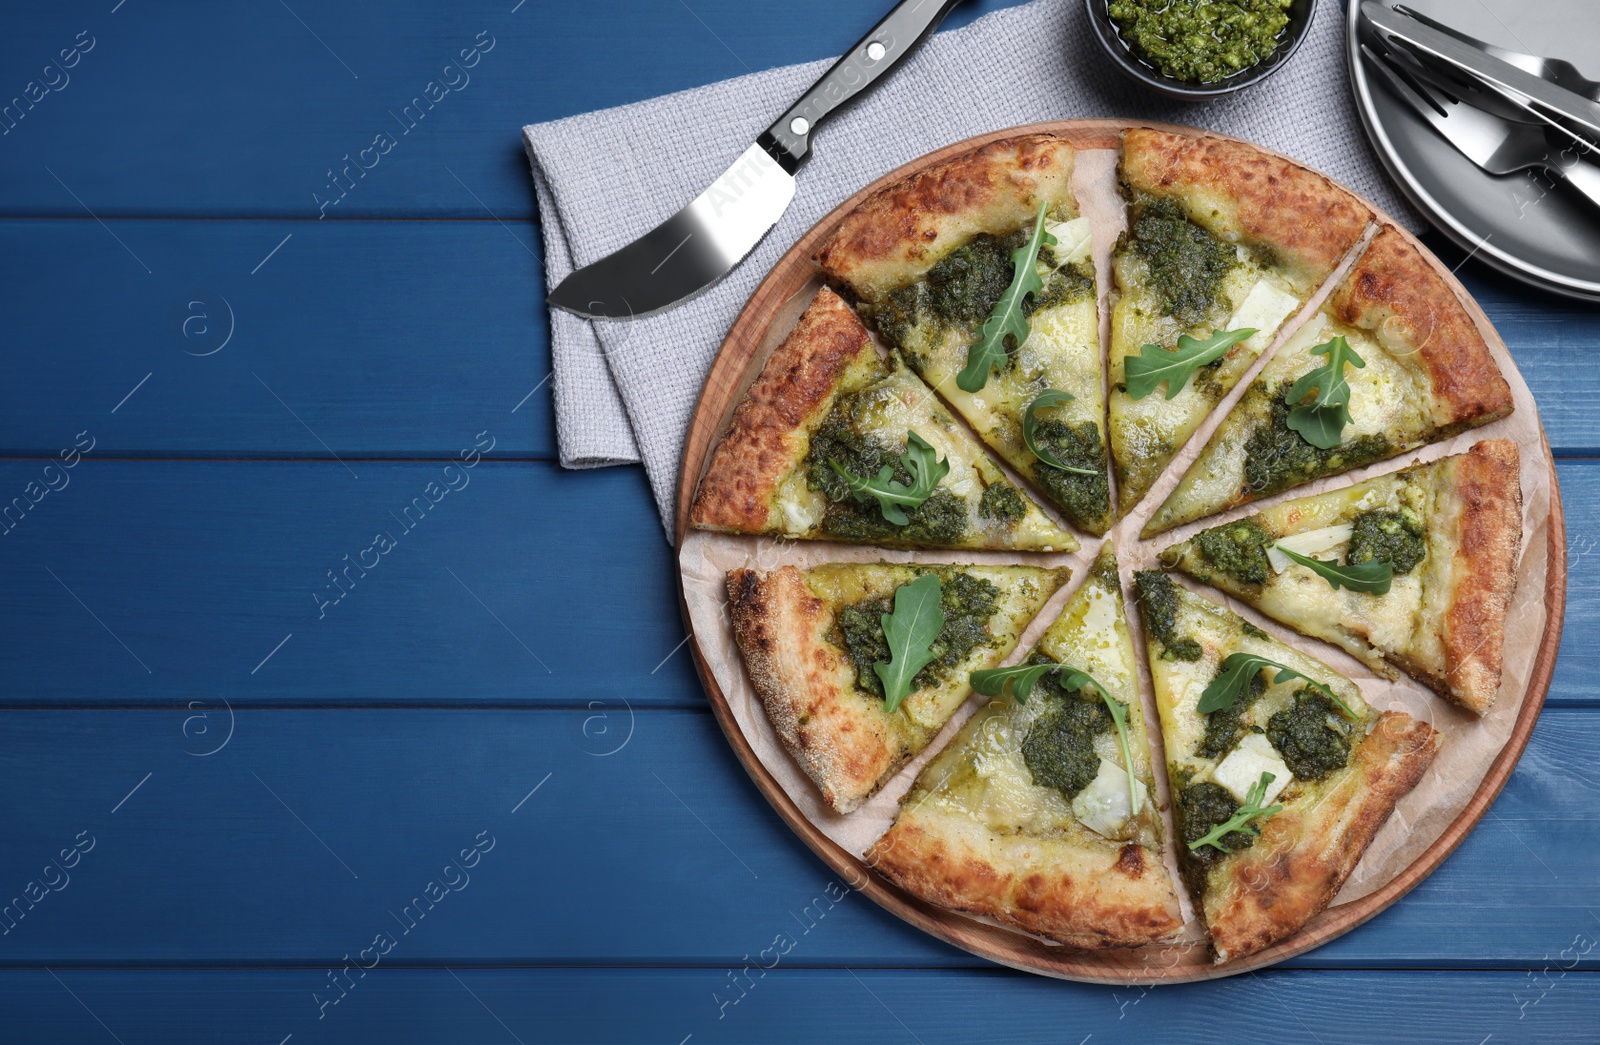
(789, 280)
(789, 1005)
(645, 847)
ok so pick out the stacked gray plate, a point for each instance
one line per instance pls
(1527, 225)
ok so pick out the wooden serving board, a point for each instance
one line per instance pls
(771, 312)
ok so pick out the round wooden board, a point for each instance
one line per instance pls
(732, 372)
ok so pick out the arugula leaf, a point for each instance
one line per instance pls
(1018, 681)
(1007, 318)
(1155, 364)
(1234, 679)
(926, 468)
(1321, 421)
(910, 630)
(1030, 429)
(1372, 577)
(1240, 821)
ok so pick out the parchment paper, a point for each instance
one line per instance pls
(1469, 743)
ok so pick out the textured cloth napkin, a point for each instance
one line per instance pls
(624, 391)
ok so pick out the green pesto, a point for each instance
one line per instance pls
(1187, 263)
(1085, 499)
(1394, 537)
(1238, 549)
(961, 289)
(1253, 631)
(1201, 41)
(1059, 749)
(1277, 457)
(1002, 503)
(1183, 649)
(1225, 727)
(967, 602)
(1310, 747)
(941, 519)
(1200, 808)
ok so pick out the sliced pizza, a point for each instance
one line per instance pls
(979, 271)
(835, 443)
(1221, 237)
(860, 664)
(1392, 361)
(1039, 813)
(1413, 569)
(1281, 774)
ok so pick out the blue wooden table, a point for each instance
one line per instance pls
(476, 795)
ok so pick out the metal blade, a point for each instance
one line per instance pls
(689, 251)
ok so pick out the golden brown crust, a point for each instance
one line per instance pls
(844, 742)
(899, 232)
(771, 429)
(1297, 866)
(1487, 482)
(1394, 293)
(1248, 196)
(1088, 897)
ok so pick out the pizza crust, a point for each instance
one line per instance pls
(1108, 896)
(1297, 866)
(1486, 532)
(828, 350)
(1244, 195)
(1396, 295)
(900, 232)
(845, 742)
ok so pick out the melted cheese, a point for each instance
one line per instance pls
(1103, 806)
(1310, 543)
(1242, 768)
(1072, 240)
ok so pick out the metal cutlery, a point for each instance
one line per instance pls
(1499, 146)
(1558, 71)
(701, 243)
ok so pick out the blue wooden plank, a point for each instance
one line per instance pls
(611, 838)
(355, 338)
(253, 110)
(201, 567)
(390, 1006)
(158, 581)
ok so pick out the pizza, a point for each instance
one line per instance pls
(811, 639)
(1221, 236)
(1296, 744)
(1421, 371)
(1028, 815)
(829, 420)
(1449, 531)
(927, 259)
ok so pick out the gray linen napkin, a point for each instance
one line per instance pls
(624, 391)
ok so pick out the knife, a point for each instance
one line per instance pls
(1540, 95)
(700, 244)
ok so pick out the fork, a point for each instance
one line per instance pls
(1558, 71)
(1498, 146)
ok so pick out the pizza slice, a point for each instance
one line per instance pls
(835, 443)
(850, 698)
(1029, 815)
(1281, 774)
(1393, 360)
(1221, 237)
(1425, 560)
(947, 262)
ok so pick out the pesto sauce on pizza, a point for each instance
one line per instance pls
(941, 519)
(967, 601)
(1238, 549)
(1277, 457)
(1085, 498)
(1187, 263)
(1158, 597)
(1310, 747)
(1396, 537)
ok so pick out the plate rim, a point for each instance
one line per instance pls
(729, 370)
(1431, 209)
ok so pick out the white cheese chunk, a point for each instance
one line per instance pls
(1263, 310)
(1072, 240)
(1102, 807)
(1312, 543)
(1242, 769)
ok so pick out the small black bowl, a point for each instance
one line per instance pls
(1110, 37)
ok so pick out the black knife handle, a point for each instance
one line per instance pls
(876, 55)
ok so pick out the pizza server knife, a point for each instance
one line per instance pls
(700, 244)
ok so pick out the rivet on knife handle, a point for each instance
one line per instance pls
(889, 43)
